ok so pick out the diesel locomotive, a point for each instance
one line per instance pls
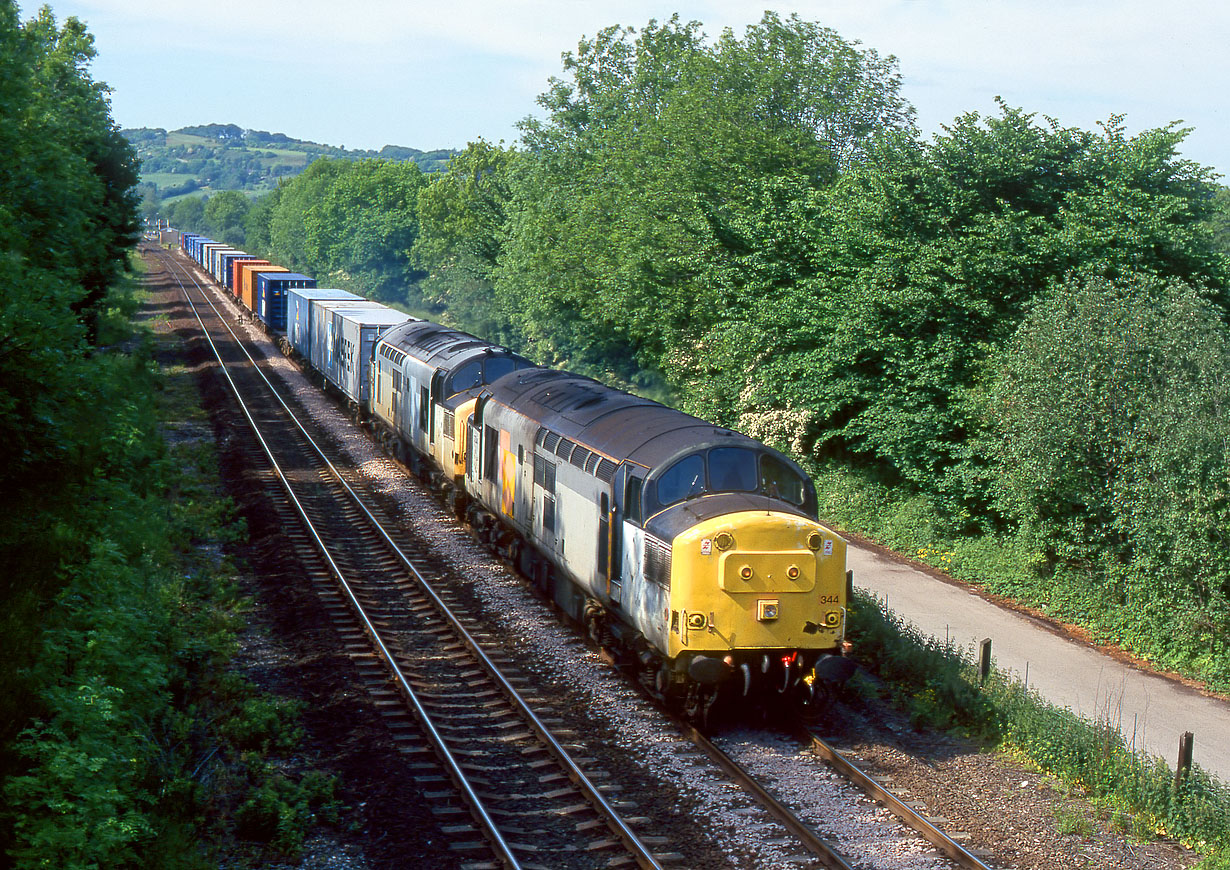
(690, 551)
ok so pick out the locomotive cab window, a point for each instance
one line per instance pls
(732, 469)
(467, 377)
(495, 367)
(684, 479)
(780, 481)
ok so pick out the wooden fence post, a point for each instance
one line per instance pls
(984, 659)
(1186, 742)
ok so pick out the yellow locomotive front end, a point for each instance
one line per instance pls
(758, 599)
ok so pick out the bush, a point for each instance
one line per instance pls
(279, 811)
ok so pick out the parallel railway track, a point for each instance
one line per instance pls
(502, 778)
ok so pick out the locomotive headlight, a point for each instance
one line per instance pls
(696, 620)
(832, 618)
(766, 609)
(746, 572)
(793, 572)
(815, 540)
(724, 540)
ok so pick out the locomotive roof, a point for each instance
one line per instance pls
(608, 420)
(438, 345)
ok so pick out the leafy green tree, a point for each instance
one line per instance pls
(1110, 412)
(1221, 221)
(293, 239)
(463, 213)
(188, 214)
(365, 224)
(224, 214)
(256, 222)
(638, 210)
(925, 258)
(81, 133)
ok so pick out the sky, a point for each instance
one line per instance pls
(366, 73)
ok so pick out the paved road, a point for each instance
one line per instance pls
(1153, 710)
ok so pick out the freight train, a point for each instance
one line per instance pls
(690, 551)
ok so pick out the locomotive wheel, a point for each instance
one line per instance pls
(815, 701)
(698, 705)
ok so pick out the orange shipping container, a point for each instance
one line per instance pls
(248, 277)
(237, 276)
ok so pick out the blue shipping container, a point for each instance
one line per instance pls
(270, 296)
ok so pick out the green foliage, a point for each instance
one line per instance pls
(1219, 223)
(637, 218)
(462, 216)
(931, 680)
(1109, 446)
(1094, 756)
(261, 724)
(188, 212)
(223, 216)
(348, 224)
(134, 748)
(280, 810)
(926, 258)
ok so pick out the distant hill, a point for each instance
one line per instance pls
(227, 157)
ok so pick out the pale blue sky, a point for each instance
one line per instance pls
(366, 73)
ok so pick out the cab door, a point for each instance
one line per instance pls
(608, 548)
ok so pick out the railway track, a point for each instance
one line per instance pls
(507, 788)
(510, 775)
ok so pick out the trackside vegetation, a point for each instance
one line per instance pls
(124, 741)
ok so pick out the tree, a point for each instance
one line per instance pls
(1109, 424)
(925, 258)
(80, 132)
(188, 214)
(223, 216)
(291, 240)
(463, 216)
(365, 224)
(636, 213)
(257, 221)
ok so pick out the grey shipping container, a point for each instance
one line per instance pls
(319, 331)
(299, 313)
(351, 341)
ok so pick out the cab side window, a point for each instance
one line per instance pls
(780, 481)
(632, 500)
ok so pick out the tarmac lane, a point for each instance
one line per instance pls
(1152, 711)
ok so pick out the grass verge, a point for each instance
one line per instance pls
(939, 686)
